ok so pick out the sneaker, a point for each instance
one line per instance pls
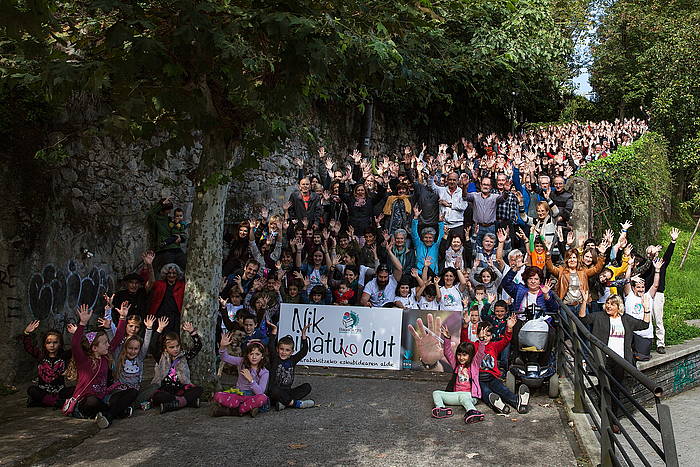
(442, 412)
(194, 403)
(101, 421)
(473, 416)
(305, 404)
(128, 412)
(661, 350)
(280, 406)
(498, 403)
(254, 412)
(523, 398)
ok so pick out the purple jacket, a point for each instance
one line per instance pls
(260, 376)
(518, 292)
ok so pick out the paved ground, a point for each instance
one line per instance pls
(685, 412)
(359, 422)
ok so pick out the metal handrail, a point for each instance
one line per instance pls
(585, 347)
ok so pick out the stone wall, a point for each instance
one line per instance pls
(71, 229)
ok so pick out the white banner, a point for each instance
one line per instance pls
(346, 336)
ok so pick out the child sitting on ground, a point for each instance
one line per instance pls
(251, 384)
(50, 390)
(93, 396)
(129, 361)
(493, 391)
(463, 389)
(172, 372)
(282, 363)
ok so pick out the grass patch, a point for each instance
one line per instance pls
(682, 286)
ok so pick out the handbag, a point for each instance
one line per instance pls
(71, 402)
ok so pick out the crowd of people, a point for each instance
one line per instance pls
(480, 228)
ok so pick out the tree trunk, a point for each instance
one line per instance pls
(204, 255)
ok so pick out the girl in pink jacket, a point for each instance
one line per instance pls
(463, 389)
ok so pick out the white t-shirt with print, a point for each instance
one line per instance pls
(451, 299)
(616, 339)
(424, 304)
(381, 297)
(408, 302)
(635, 308)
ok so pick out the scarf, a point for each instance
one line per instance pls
(179, 372)
(390, 201)
(451, 256)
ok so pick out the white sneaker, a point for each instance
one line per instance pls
(523, 398)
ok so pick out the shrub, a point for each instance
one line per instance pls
(632, 183)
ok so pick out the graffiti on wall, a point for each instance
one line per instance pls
(8, 284)
(684, 374)
(55, 292)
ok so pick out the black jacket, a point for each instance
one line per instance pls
(601, 329)
(282, 371)
(298, 210)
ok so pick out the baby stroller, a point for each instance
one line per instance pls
(529, 369)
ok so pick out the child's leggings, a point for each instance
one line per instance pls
(49, 399)
(191, 393)
(463, 398)
(242, 403)
(287, 395)
(118, 402)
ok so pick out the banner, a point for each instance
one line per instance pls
(427, 354)
(346, 336)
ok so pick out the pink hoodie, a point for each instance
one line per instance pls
(473, 365)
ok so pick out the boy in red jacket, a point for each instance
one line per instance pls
(493, 391)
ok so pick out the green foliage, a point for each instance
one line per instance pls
(632, 183)
(243, 71)
(682, 293)
(645, 62)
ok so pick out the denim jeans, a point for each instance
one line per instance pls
(490, 384)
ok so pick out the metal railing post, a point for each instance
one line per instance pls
(578, 377)
(606, 444)
(668, 439)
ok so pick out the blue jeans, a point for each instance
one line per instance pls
(490, 384)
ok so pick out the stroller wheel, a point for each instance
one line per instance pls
(554, 385)
(510, 381)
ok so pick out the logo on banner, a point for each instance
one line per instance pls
(350, 322)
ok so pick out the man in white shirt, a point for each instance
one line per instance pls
(452, 205)
(382, 289)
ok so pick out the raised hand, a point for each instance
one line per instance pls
(223, 302)
(674, 234)
(304, 330)
(188, 327)
(286, 205)
(626, 225)
(124, 310)
(84, 313)
(428, 345)
(547, 286)
(109, 300)
(147, 258)
(417, 212)
(511, 321)
(658, 263)
(628, 249)
(149, 321)
(163, 322)
(502, 235)
(273, 328)
(226, 339)
(71, 328)
(104, 322)
(445, 332)
(32, 326)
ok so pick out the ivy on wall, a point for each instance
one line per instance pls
(632, 183)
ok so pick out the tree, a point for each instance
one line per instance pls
(645, 64)
(234, 75)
